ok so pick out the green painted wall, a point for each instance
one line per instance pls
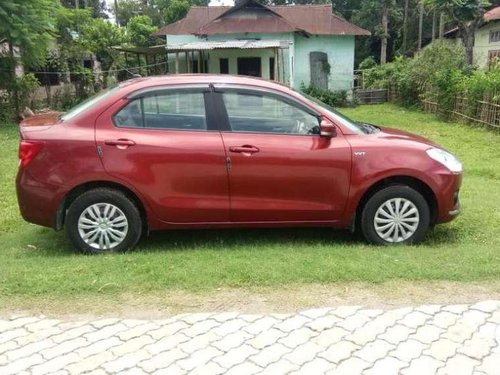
(294, 60)
(482, 44)
(340, 51)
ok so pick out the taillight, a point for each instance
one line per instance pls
(27, 151)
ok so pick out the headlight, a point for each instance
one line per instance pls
(445, 158)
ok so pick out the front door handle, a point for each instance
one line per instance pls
(245, 149)
(120, 143)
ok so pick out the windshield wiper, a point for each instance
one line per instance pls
(369, 128)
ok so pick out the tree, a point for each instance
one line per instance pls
(99, 36)
(128, 9)
(98, 7)
(140, 30)
(468, 17)
(28, 25)
(377, 16)
(176, 10)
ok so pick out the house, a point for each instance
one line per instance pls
(486, 39)
(298, 44)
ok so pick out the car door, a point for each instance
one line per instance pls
(280, 168)
(162, 144)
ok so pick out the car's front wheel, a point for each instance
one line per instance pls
(396, 214)
(103, 220)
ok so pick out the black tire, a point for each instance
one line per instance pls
(125, 208)
(384, 196)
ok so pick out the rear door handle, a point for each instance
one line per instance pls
(245, 149)
(119, 142)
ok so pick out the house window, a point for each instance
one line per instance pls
(224, 66)
(271, 68)
(494, 36)
(493, 56)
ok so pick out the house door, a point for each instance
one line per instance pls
(249, 66)
(318, 62)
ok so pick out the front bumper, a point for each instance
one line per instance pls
(447, 196)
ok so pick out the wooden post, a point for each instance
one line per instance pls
(199, 62)
(177, 62)
(282, 65)
(276, 64)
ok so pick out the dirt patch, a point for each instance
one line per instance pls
(286, 299)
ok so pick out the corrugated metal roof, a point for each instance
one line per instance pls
(241, 44)
(492, 14)
(312, 19)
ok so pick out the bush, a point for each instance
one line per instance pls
(437, 73)
(332, 98)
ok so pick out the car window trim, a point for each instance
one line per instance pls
(158, 90)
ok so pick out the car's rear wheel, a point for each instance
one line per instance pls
(103, 220)
(396, 214)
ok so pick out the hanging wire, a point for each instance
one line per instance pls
(128, 69)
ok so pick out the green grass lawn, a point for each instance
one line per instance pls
(36, 261)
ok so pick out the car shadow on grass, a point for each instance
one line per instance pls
(48, 242)
(225, 239)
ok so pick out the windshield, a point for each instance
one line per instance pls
(83, 106)
(337, 116)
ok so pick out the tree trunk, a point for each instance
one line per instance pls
(405, 27)
(117, 21)
(441, 25)
(15, 92)
(385, 30)
(468, 41)
(420, 24)
(433, 25)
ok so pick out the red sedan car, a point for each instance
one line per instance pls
(212, 151)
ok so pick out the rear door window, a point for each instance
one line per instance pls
(175, 110)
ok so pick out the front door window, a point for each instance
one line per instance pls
(263, 113)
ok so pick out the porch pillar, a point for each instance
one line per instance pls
(177, 62)
(276, 64)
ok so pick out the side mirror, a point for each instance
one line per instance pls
(327, 128)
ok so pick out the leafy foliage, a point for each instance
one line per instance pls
(421, 77)
(439, 74)
(332, 98)
(140, 30)
(467, 15)
(28, 25)
(161, 12)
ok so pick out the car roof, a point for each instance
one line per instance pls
(179, 79)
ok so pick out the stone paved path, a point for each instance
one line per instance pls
(429, 339)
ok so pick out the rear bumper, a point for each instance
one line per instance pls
(38, 202)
